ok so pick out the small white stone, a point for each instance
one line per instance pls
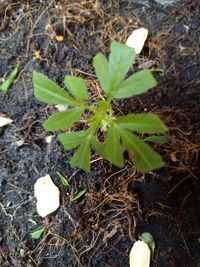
(186, 28)
(20, 143)
(61, 107)
(47, 195)
(140, 255)
(49, 139)
(137, 39)
(4, 121)
(181, 47)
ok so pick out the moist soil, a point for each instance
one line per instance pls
(99, 229)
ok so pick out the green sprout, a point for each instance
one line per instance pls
(79, 195)
(38, 233)
(9, 81)
(63, 179)
(118, 134)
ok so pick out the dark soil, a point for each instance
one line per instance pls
(99, 229)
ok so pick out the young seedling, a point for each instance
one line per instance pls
(118, 134)
(79, 195)
(9, 81)
(63, 179)
(38, 233)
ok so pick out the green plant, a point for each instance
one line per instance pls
(9, 81)
(63, 179)
(79, 194)
(108, 135)
(38, 233)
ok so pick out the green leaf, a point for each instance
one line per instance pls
(145, 158)
(81, 157)
(113, 149)
(101, 66)
(9, 81)
(157, 139)
(38, 233)
(97, 146)
(79, 194)
(62, 120)
(120, 60)
(77, 87)
(63, 180)
(72, 139)
(142, 123)
(137, 84)
(47, 91)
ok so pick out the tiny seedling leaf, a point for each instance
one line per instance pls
(142, 123)
(47, 91)
(81, 157)
(149, 240)
(137, 84)
(38, 233)
(77, 87)
(113, 149)
(120, 60)
(157, 139)
(9, 81)
(72, 139)
(79, 195)
(62, 120)
(101, 66)
(63, 179)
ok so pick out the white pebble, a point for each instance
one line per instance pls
(140, 255)
(4, 121)
(49, 139)
(137, 39)
(47, 195)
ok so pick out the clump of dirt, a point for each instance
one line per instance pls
(99, 229)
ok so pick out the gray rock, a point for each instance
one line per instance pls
(168, 2)
(164, 3)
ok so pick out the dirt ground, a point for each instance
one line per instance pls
(99, 229)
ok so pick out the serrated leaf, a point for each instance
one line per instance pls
(137, 84)
(47, 91)
(142, 123)
(79, 194)
(62, 120)
(38, 233)
(98, 147)
(113, 149)
(144, 157)
(101, 66)
(63, 179)
(72, 139)
(77, 87)
(157, 139)
(9, 81)
(81, 157)
(120, 60)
